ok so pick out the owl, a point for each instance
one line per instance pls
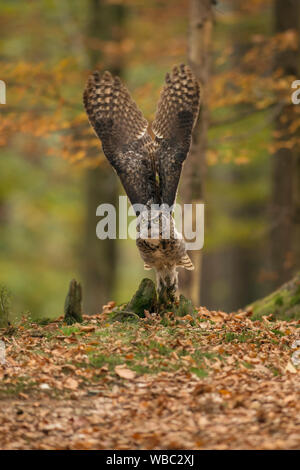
(149, 169)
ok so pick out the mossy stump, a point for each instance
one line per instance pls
(147, 299)
(73, 303)
(283, 303)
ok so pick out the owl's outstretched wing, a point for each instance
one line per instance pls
(175, 118)
(121, 127)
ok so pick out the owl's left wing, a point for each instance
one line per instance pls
(122, 130)
(175, 118)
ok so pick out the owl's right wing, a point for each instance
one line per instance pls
(175, 118)
(122, 130)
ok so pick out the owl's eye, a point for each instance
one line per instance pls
(156, 220)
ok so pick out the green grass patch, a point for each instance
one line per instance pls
(69, 330)
(244, 337)
(201, 373)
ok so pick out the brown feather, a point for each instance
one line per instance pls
(175, 118)
(121, 127)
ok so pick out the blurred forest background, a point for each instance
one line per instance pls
(244, 164)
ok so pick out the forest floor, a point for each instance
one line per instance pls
(206, 381)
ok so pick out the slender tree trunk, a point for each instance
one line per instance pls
(192, 190)
(285, 204)
(99, 256)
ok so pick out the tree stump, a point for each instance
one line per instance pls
(145, 298)
(73, 303)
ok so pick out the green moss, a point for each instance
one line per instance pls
(283, 304)
(199, 372)
(248, 365)
(295, 298)
(278, 300)
(145, 298)
(69, 330)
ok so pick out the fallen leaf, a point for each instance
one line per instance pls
(291, 368)
(87, 328)
(71, 383)
(124, 372)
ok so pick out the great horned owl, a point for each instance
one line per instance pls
(148, 169)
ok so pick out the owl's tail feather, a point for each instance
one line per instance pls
(186, 263)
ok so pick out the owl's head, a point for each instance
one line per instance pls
(156, 224)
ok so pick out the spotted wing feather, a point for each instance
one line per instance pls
(175, 118)
(121, 128)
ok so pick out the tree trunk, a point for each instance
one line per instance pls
(101, 185)
(192, 190)
(285, 203)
